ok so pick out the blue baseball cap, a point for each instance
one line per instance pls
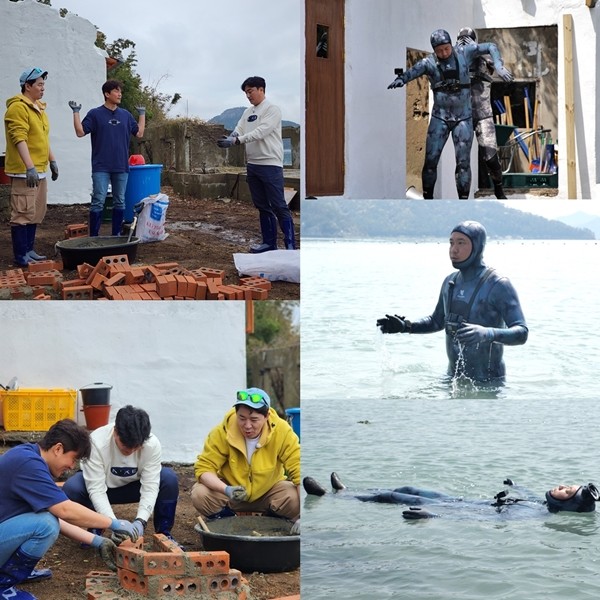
(254, 398)
(32, 74)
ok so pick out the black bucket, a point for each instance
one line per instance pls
(95, 394)
(76, 251)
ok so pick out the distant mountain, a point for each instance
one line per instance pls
(229, 118)
(581, 219)
(323, 218)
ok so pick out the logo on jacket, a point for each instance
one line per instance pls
(252, 118)
(123, 471)
(461, 294)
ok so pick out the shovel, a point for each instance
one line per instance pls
(203, 524)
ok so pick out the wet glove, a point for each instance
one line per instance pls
(120, 526)
(470, 334)
(32, 178)
(107, 551)
(392, 324)
(141, 110)
(227, 140)
(236, 492)
(295, 530)
(505, 74)
(54, 170)
(74, 106)
(416, 512)
(397, 83)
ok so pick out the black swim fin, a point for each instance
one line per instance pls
(416, 512)
(336, 482)
(313, 487)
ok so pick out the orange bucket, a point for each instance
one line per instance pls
(96, 416)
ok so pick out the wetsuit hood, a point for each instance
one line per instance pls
(476, 233)
(584, 500)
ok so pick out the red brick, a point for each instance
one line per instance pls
(101, 267)
(135, 275)
(212, 290)
(181, 285)
(115, 280)
(198, 275)
(98, 282)
(116, 259)
(152, 273)
(201, 290)
(191, 286)
(84, 292)
(154, 296)
(76, 230)
(259, 293)
(166, 266)
(260, 282)
(40, 265)
(73, 283)
(229, 293)
(44, 278)
(84, 270)
(213, 273)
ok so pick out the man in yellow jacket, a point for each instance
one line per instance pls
(250, 462)
(27, 155)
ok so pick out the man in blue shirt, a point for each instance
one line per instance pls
(111, 128)
(34, 510)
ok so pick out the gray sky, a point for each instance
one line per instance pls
(206, 48)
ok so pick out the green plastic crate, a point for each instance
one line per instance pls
(530, 180)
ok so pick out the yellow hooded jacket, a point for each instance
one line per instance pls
(23, 122)
(276, 458)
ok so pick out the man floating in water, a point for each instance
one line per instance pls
(478, 308)
(568, 498)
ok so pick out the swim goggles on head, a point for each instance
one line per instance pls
(255, 398)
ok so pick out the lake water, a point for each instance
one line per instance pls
(376, 410)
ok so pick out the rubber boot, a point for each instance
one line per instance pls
(427, 193)
(117, 220)
(16, 570)
(495, 169)
(19, 243)
(164, 516)
(224, 513)
(31, 253)
(289, 237)
(95, 222)
(268, 228)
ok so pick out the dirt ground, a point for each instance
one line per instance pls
(202, 233)
(71, 564)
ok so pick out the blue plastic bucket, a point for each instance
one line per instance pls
(143, 181)
(293, 417)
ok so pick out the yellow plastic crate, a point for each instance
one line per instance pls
(36, 409)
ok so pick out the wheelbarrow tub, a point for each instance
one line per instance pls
(79, 250)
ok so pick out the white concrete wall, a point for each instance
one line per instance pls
(377, 35)
(180, 361)
(34, 34)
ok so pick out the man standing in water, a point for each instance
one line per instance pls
(478, 308)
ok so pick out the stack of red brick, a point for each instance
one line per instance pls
(113, 278)
(168, 571)
(39, 276)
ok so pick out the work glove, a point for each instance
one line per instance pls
(295, 530)
(505, 74)
(120, 526)
(397, 83)
(227, 140)
(236, 492)
(32, 177)
(141, 110)
(74, 106)
(138, 524)
(107, 551)
(54, 170)
(392, 324)
(470, 334)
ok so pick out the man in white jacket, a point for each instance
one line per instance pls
(260, 129)
(125, 467)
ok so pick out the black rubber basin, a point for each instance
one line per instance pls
(254, 543)
(95, 394)
(76, 251)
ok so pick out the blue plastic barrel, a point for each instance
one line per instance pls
(143, 181)
(293, 417)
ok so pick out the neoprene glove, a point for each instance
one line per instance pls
(141, 110)
(295, 530)
(227, 140)
(107, 551)
(74, 106)
(397, 83)
(505, 74)
(470, 334)
(392, 324)
(54, 170)
(120, 526)
(236, 492)
(32, 177)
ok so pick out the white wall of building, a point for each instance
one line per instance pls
(377, 35)
(34, 34)
(182, 362)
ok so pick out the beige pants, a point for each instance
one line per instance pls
(282, 499)
(27, 205)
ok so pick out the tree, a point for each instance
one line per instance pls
(273, 325)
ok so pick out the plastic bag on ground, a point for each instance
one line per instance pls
(276, 265)
(151, 220)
